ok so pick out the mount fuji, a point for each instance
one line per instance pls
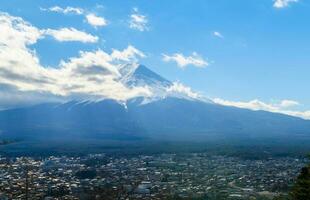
(167, 114)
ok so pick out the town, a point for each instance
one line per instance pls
(161, 176)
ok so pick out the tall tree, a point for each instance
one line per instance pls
(301, 189)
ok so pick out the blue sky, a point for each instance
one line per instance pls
(249, 49)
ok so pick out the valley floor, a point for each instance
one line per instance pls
(158, 176)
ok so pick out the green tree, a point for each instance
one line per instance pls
(301, 189)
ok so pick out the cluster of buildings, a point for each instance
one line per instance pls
(162, 176)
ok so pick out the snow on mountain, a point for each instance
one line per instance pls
(136, 75)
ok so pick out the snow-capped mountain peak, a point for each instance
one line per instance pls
(136, 75)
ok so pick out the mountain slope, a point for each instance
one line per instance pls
(170, 117)
(173, 116)
(165, 117)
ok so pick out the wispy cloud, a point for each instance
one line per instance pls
(71, 34)
(178, 89)
(283, 3)
(96, 21)
(138, 21)
(283, 107)
(218, 34)
(183, 61)
(67, 10)
(91, 18)
(288, 103)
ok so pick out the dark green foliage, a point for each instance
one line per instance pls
(281, 197)
(86, 174)
(301, 189)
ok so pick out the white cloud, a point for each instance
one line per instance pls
(90, 75)
(17, 61)
(128, 54)
(183, 61)
(97, 74)
(91, 18)
(280, 107)
(288, 103)
(283, 3)
(301, 114)
(138, 21)
(96, 21)
(253, 104)
(218, 34)
(22, 34)
(17, 32)
(67, 10)
(178, 89)
(71, 34)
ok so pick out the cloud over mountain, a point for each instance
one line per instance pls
(283, 106)
(178, 88)
(91, 74)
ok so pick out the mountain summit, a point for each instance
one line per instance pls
(139, 75)
(135, 75)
